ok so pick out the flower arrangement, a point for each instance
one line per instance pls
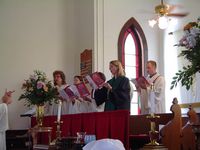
(38, 90)
(191, 42)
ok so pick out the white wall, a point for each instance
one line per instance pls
(172, 62)
(110, 17)
(84, 32)
(34, 35)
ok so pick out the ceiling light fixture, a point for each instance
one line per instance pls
(163, 14)
(162, 21)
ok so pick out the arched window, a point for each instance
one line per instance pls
(132, 51)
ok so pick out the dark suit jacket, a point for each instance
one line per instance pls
(100, 96)
(119, 96)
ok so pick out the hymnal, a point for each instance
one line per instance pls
(82, 89)
(74, 91)
(95, 80)
(67, 93)
(139, 81)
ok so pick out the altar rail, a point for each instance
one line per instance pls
(113, 124)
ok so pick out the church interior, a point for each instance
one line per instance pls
(54, 35)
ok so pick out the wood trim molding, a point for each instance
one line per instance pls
(194, 105)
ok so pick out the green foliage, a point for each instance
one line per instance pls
(38, 90)
(187, 74)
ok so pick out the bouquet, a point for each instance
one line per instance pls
(38, 90)
(191, 42)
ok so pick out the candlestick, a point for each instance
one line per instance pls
(57, 140)
(59, 110)
(153, 133)
(58, 130)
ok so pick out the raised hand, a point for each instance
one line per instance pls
(8, 93)
(108, 86)
(7, 97)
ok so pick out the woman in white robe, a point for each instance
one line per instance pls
(60, 83)
(4, 118)
(77, 105)
(65, 103)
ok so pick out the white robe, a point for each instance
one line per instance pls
(80, 105)
(3, 125)
(84, 106)
(53, 109)
(74, 108)
(156, 94)
(94, 108)
(145, 103)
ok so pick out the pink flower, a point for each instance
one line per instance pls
(40, 84)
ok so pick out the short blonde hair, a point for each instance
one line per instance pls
(153, 63)
(119, 66)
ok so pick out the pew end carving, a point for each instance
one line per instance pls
(188, 137)
(171, 132)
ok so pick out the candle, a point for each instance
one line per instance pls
(59, 111)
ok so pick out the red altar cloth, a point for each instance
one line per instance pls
(112, 124)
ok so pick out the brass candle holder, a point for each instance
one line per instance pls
(58, 133)
(58, 129)
(153, 134)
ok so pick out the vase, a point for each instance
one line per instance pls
(39, 114)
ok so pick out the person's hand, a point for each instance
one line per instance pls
(101, 85)
(108, 86)
(143, 83)
(7, 97)
(138, 88)
(87, 99)
(61, 98)
(73, 100)
(8, 93)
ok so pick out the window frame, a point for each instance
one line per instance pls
(133, 27)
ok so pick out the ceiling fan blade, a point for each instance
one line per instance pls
(171, 8)
(177, 14)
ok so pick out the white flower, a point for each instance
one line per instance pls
(195, 31)
(191, 41)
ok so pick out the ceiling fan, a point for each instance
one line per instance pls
(164, 11)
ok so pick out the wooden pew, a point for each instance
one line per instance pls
(171, 132)
(188, 137)
(140, 127)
